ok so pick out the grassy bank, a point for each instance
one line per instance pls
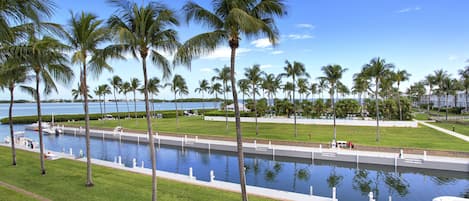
(459, 128)
(421, 137)
(10, 195)
(65, 180)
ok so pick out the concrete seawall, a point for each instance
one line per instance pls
(311, 153)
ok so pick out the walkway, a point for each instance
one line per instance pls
(458, 135)
(24, 192)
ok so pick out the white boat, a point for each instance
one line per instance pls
(35, 126)
(449, 198)
(21, 140)
(51, 131)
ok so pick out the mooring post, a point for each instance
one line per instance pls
(71, 152)
(270, 144)
(120, 160)
(143, 164)
(395, 163)
(424, 155)
(311, 190)
(196, 138)
(208, 148)
(185, 138)
(191, 176)
(212, 176)
(134, 163)
(334, 195)
(312, 157)
(370, 196)
(320, 148)
(390, 198)
(255, 144)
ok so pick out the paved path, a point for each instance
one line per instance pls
(24, 192)
(458, 135)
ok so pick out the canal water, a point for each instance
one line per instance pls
(288, 174)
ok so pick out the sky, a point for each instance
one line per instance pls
(419, 36)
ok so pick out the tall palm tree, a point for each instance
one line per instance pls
(77, 93)
(313, 89)
(145, 30)
(449, 87)
(11, 75)
(178, 86)
(229, 21)
(99, 93)
(223, 75)
(465, 84)
(254, 78)
(288, 90)
(243, 85)
(333, 74)
(203, 88)
(360, 86)
(322, 85)
(116, 83)
(430, 82)
(104, 90)
(153, 88)
(400, 76)
(295, 70)
(440, 75)
(302, 87)
(134, 84)
(215, 88)
(85, 36)
(377, 69)
(124, 89)
(45, 57)
(271, 84)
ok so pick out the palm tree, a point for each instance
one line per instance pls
(145, 31)
(333, 74)
(99, 93)
(360, 86)
(254, 79)
(288, 90)
(377, 69)
(243, 85)
(116, 83)
(224, 76)
(104, 89)
(400, 76)
(430, 81)
(86, 34)
(216, 89)
(124, 89)
(178, 86)
(78, 92)
(312, 89)
(271, 84)
(294, 70)
(153, 88)
(203, 88)
(303, 87)
(440, 75)
(45, 57)
(465, 84)
(449, 87)
(230, 21)
(11, 75)
(322, 85)
(134, 84)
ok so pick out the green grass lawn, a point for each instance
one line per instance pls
(421, 137)
(421, 116)
(463, 129)
(10, 195)
(65, 180)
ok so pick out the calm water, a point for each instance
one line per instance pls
(285, 174)
(22, 109)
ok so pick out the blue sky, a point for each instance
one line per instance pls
(419, 36)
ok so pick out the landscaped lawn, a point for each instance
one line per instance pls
(421, 137)
(11, 195)
(463, 129)
(65, 180)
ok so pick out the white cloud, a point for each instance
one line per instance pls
(305, 26)
(453, 57)
(206, 70)
(406, 10)
(264, 66)
(261, 43)
(277, 52)
(224, 53)
(300, 36)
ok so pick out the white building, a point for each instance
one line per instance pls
(440, 101)
(242, 108)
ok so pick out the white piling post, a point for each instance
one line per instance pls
(395, 163)
(424, 155)
(81, 153)
(312, 157)
(334, 195)
(390, 198)
(212, 176)
(320, 148)
(270, 144)
(71, 152)
(143, 164)
(185, 138)
(208, 148)
(273, 153)
(370, 196)
(80, 130)
(138, 139)
(134, 163)
(311, 190)
(120, 160)
(196, 138)
(401, 154)
(190, 173)
(255, 144)
(182, 143)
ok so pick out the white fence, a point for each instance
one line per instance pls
(343, 122)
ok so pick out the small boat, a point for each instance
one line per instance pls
(449, 198)
(21, 140)
(35, 126)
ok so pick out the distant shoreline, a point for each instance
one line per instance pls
(186, 100)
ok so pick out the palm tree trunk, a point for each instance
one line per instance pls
(117, 108)
(150, 132)
(100, 106)
(177, 116)
(39, 118)
(104, 102)
(377, 110)
(89, 179)
(239, 139)
(399, 101)
(127, 103)
(255, 109)
(226, 105)
(333, 111)
(10, 120)
(294, 106)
